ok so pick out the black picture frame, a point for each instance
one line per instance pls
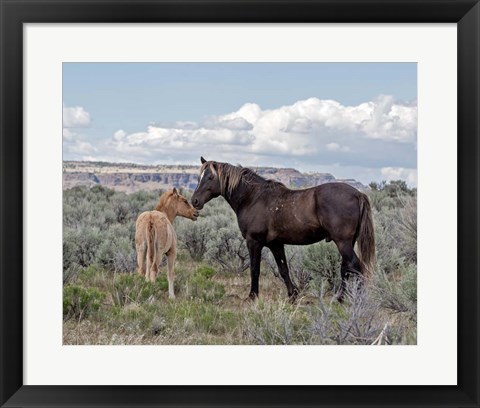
(14, 13)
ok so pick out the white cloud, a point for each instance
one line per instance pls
(236, 124)
(75, 116)
(390, 121)
(76, 147)
(400, 173)
(160, 139)
(335, 147)
(378, 135)
(306, 127)
(186, 125)
(119, 134)
(74, 144)
(68, 135)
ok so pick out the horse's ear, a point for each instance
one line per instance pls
(175, 191)
(202, 160)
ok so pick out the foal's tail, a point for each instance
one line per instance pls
(366, 237)
(151, 247)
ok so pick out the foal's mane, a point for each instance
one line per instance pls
(162, 202)
(230, 176)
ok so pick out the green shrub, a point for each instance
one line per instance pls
(195, 317)
(406, 220)
(396, 235)
(228, 251)
(116, 252)
(196, 236)
(80, 302)
(203, 287)
(90, 275)
(133, 317)
(99, 227)
(99, 258)
(324, 260)
(193, 236)
(398, 294)
(358, 320)
(206, 271)
(299, 273)
(71, 273)
(162, 282)
(276, 323)
(133, 288)
(80, 245)
(95, 276)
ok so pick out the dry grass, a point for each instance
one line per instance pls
(210, 308)
(106, 302)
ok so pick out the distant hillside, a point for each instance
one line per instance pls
(130, 177)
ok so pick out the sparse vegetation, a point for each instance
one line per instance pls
(107, 302)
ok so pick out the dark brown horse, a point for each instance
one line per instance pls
(271, 215)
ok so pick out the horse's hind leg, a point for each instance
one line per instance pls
(350, 265)
(153, 263)
(141, 255)
(171, 255)
(278, 251)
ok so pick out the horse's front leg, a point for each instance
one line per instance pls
(255, 251)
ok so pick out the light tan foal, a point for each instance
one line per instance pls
(155, 236)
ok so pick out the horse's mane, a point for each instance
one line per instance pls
(162, 202)
(230, 176)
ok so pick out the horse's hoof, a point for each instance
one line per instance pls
(293, 295)
(252, 297)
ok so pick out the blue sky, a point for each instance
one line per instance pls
(354, 120)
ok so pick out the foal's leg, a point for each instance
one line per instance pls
(151, 258)
(141, 255)
(350, 265)
(171, 255)
(152, 272)
(278, 251)
(255, 251)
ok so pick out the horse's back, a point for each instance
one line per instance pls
(337, 188)
(163, 228)
(337, 197)
(306, 216)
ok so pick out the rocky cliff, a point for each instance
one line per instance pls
(132, 177)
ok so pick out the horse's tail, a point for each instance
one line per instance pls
(366, 237)
(151, 248)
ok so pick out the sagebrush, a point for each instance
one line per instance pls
(106, 302)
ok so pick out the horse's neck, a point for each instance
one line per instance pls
(239, 197)
(169, 212)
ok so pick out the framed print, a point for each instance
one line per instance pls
(115, 91)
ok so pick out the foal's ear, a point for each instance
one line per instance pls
(175, 191)
(202, 160)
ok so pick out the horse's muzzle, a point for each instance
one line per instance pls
(196, 204)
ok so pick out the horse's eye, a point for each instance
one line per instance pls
(210, 177)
